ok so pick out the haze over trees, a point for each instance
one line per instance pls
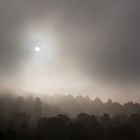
(62, 117)
(50, 106)
(67, 118)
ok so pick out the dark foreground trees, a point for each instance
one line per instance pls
(33, 119)
(83, 127)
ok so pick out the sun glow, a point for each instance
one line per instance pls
(37, 49)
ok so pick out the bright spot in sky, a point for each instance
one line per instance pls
(37, 49)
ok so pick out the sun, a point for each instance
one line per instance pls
(37, 49)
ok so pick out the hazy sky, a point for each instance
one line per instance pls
(87, 46)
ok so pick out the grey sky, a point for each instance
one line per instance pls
(82, 41)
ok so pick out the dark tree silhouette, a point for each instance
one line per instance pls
(33, 119)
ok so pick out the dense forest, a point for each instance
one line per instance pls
(62, 117)
(61, 127)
